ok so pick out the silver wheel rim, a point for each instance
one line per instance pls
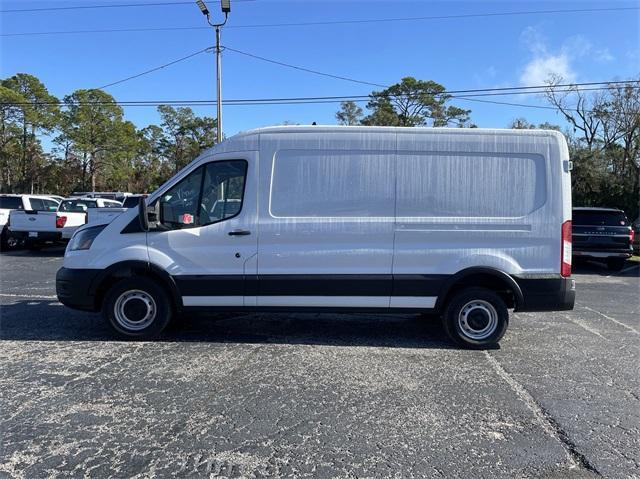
(126, 299)
(12, 242)
(468, 319)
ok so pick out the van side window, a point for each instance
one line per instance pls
(210, 194)
(179, 206)
(332, 184)
(469, 185)
(222, 190)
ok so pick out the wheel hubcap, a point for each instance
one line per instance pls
(135, 310)
(478, 319)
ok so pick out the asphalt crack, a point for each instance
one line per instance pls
(544, 418)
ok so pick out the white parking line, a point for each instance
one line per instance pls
(28, 296)
(630, 328)
(577, 322)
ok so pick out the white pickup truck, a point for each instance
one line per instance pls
(9, 203)
(39, 227)
(75, 212)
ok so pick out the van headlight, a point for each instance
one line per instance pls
(83, 239)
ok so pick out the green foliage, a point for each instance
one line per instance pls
(604, 144)
(349, 114)
(184, 135)
(29, 111)
(94, 146)
(414, 103)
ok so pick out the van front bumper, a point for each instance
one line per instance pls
(552, 294)
(73, 287)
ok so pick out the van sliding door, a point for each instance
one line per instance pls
(326, 222)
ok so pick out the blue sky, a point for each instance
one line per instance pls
(458, 53)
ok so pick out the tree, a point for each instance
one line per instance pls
(90, 126)
(521, 124)
(604, 143)
(10, 145)
(185, 135)
(349, 114)
(414, 103)
(34, 111)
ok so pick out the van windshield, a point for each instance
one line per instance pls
(599, 218)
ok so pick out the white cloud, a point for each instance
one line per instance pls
(545, 64)
(603, 55)
(539, 70)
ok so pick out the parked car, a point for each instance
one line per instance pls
(602, 234)
(9, 203)
(75, 212)
(37, 228)
(636, 236)
(132, 201)
(108, 195)
(463, 222)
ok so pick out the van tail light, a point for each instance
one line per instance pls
(61, 221)
(632, 236)
(565, 250)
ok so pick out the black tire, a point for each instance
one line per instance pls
(137, 308)
(484, 323)
(615, 264)
(7, 242)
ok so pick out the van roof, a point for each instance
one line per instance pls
(391, 129)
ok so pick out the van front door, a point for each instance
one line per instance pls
(207, 237)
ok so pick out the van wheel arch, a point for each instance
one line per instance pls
(130, 269)
(490, 278)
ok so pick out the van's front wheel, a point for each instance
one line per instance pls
(476, 318)
(137, 308)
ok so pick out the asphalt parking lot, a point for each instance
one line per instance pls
(310, 395)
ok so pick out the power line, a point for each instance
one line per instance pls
(308, 70)
(191, 55)
(329, 22)
(318, 99)
(120, 5)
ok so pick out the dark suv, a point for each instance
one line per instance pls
(604, 234)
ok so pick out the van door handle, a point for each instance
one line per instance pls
(239, 232)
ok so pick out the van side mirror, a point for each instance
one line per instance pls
(142, 214)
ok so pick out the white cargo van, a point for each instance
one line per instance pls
(467, 223)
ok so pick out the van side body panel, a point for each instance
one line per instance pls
(511, 227)
(371, 219)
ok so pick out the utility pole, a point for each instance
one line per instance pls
(225, 5)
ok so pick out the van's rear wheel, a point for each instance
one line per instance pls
(137, 308)
(476, 318)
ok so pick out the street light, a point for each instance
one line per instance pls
(225, 6)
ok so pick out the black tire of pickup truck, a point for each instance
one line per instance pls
(7, 243)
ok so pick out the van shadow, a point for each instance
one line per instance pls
(49, 321)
